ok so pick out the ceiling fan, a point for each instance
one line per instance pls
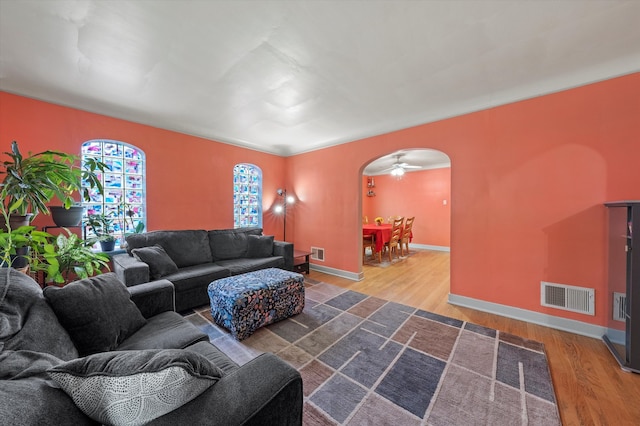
(398, 168)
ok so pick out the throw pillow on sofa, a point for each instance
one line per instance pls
(135, 387)
(97, 312)
(160, 264)
(259, 246)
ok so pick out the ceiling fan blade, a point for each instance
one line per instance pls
(409, 166)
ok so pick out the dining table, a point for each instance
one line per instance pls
(381, 235)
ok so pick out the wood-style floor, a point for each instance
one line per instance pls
(591, 389)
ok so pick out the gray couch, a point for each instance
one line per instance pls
(200, 257)
(62, 327)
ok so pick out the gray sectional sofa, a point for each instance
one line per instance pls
(96, 352)
(192, 259)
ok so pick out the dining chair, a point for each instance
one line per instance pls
(397, 220)
(394, 242)
(370, 242)
(406, 235)
(396, 235)
(365, 220)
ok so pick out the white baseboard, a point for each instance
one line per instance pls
(428, 247)
(337, 272)
(564, 324)
(617, 336)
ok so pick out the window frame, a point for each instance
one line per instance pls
(244, 198)
(126, 178)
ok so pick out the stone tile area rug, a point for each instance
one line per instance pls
(367, 361)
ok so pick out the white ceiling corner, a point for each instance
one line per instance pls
(287, 77)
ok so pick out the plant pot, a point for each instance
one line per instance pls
(107, 245)
(20, 260)
(16, 221)
(67, 217)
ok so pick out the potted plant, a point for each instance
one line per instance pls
(23, 247)
(31, 182)
(125, 211)
(75, 259)
(101, 225)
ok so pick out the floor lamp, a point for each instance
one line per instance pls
(283, 208)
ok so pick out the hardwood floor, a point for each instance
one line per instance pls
(591, 389)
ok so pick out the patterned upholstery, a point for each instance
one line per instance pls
(245, 302)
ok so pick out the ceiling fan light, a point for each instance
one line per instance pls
(397, 171)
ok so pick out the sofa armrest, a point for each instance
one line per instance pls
(154, 297)
(264, 391)
(284, 249)
(130, 270)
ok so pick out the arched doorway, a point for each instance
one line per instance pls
(410, 182)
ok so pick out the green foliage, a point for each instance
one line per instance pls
(31, 182)
(72, 254)
(102, 226)
(36, 243)
(125, 211)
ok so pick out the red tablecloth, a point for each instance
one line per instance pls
(381, 233)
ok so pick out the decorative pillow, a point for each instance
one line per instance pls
(230, 243)
(260, 246)
(97, 312)
(160, 264)
(135, 387)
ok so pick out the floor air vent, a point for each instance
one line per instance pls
(569, 298)
(619, 306)
(317, 254)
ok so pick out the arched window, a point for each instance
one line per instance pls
(124, 198)
(247, 196)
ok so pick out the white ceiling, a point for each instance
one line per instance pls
(287, 77)
(416, 159)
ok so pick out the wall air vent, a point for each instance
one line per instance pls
(569, 298)
(317, 254)
(619, 306)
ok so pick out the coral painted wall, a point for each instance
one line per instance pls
(421, 194)
(528, 183)
(189, 179)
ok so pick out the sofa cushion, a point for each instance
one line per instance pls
(97, 312)
(167, 330)
(230, 243)
(27, 322)
(243, 265)
(191, 283)
(135, 387)
(215, 355)
(259, 246)
(28, 396)
(186, 248)
(160, 264)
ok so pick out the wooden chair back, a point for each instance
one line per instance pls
(396, 236)
(406, 235)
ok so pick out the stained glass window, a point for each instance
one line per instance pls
(247, 196)
(124, 185)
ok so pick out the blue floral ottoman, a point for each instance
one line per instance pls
(245, 302)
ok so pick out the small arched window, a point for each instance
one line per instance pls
(124, 198)
(247, 196)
